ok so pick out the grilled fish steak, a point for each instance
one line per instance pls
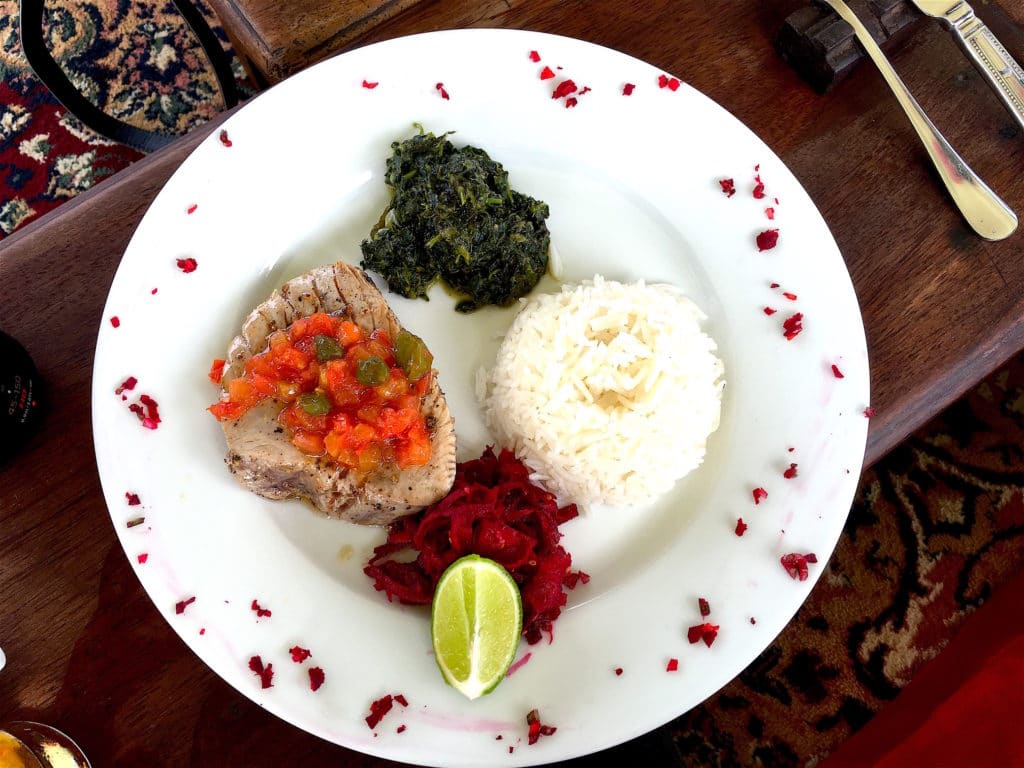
(262, 458)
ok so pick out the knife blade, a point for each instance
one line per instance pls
(983, 48)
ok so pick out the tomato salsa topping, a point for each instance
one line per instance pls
(347, 396)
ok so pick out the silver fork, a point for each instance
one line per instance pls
(982, 208)
(988, 54)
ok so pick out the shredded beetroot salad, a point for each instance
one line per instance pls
(494, 511)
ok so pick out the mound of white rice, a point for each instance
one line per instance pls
(607, 391)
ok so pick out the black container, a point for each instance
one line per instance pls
(20, 397)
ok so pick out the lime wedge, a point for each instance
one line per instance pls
(475, 623)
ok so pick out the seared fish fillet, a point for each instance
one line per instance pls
(263, 459)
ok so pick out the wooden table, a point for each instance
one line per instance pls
(86, 649)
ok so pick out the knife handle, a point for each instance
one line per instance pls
(983, 48)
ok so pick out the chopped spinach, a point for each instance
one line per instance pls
(453, 215)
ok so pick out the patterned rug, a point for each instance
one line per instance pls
(936, 525)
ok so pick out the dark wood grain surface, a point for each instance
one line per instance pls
(86, 649)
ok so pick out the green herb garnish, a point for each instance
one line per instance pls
(454, 216)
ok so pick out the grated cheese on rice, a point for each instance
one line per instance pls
(607, 391)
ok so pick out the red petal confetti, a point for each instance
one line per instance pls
(627, 89)
(583, 90)
(563, 89)
(546, 73)
(572, 578)
(369, 86)
(760, 494)
(299, 654)
(115, 321)
(147, 411)
(767, 240)
(536, 727)
(870, 412)
(728, 187)
(265, 673)
(224, 138)
(534, 57)
(618, 671)
(202, 630)
(672, 666)
(132, 498)
(705, 632)
(741, 527)
(796, 564)
(770, 213)
(790, 296)
(836, 372)
(704, 606)
(127, 384)
(773, 286)
(790, 473)
(570, 102)
(135, 521)
(753, 620)
(260, 611)
(316, 678)
(153, 291)
(770, 311)
(493, 510)
(664, 81)
(792, 326)
(400, 699)
(759, 191)
(143, 558)
(378, 709)
(181, 605)
(400, 729)
(442, 91)
(217, 370)
(191, 209)
(187, 265)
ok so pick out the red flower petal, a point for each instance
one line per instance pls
(153, 291)
(760, 494)
(191, 209)
(224, 138)
(792, 326)
(790, 296)
(316, 678)
(378, 709)
(770, 213)
(187, 265)
(299, 654)
(741, 527)
(770, 311)
(400, 699)
(662, 81)
(142, 558)
(570, 102)
(132, 498)
(536, 727)
(618, 671)
(546, 73)
(672, 666)
(265, 673)
(758, 191)
(181, 605)
(442, 91)
(127, 384)
(400, 729)
(704, 606)
(728, 187)
(260, 611)
(706, 632)
(796, 564)
(627, 89)
(563, 89)
(790, 473)
(767, 240)
(836, 372)
(870, 412)
(534, 56)
(369, 86)
(115, 321)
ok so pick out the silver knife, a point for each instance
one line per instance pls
(988, 54)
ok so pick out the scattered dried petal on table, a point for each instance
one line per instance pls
(790, 472)
(264, 672)
(741, 527)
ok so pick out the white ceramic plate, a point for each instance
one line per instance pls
(632, 182)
